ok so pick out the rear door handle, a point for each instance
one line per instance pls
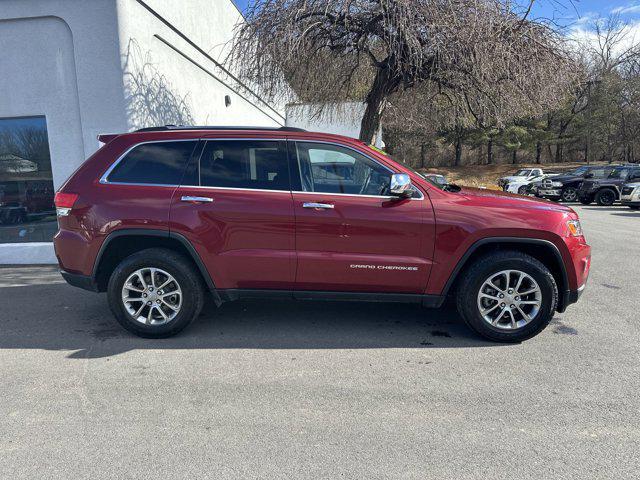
(187, 198)
(317, 205)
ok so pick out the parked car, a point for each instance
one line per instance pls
(437, 178)
(630, 195)
(565, 187)
(522, 187)
(521, 175)
(161, 216)
(605, 191)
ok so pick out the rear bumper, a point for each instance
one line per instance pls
(81, 281)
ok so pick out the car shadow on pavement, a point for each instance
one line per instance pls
(51, 315)
(630, 214)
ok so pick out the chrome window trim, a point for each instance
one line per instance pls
(234, 188)
(105, 176)
(364, 155)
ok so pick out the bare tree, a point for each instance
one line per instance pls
(489, 62)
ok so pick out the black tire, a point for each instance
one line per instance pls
(569, 194)
(184, 273)
(605, 197)
(522, 190)
(481, 270)
(586, 200)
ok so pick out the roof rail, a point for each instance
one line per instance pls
(216, 127)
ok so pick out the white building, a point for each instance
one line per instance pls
(70, 69)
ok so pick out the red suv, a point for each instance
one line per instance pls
(160, 216)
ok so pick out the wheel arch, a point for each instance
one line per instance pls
(544, 250)
(121, 243)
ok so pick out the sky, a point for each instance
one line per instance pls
(567, 12)
(577, 13)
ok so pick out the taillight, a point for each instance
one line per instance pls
(64, 203)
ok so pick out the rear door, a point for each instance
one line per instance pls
(236, 209)
(350, 235)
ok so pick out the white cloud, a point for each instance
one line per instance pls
(585, 36)
(634, 8)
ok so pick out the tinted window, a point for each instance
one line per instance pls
(160, 163)
(335, 169)
(251, 164)
(27, 213)
(522, 173)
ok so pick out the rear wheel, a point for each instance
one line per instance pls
(522, 190)
(606, 197)
(155, 293)
(569, 194)
(507, 296)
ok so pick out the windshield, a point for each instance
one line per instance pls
(579, 171)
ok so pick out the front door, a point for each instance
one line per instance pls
(235, 207)
(350, 235)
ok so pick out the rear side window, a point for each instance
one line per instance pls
(161, 163)
(252, 164)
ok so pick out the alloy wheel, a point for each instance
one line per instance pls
(152, 296)
(509, 299)
(570, 195)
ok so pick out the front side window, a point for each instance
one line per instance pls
(522, 173)
(333, 169)
(251, 164)
(161, 163)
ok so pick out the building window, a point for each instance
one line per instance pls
(27, 212)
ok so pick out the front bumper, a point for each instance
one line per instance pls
(549, 192)
(569, 298)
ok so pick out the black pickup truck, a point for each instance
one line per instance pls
(605, 191)
(565, 187)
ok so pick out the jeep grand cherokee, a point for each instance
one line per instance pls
(160, 217)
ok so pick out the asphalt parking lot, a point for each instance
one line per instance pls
(324, 390)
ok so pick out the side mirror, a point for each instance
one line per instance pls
(401, 185)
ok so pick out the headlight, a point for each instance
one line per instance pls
(575, 229)
(556, 184)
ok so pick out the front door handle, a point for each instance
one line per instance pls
(187, 198)
(321, 206)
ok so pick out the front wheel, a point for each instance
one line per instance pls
(507, 296)
(569, 194)
(155, 293)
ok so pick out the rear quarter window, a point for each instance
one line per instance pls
(161, 163)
